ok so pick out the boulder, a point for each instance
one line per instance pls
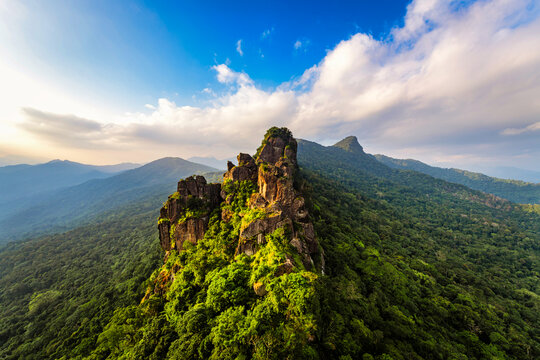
(191, 230)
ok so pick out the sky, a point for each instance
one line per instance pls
(450, 83)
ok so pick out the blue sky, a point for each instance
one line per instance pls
(136, 51)
(452, 83)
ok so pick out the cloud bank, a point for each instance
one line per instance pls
(459, 81)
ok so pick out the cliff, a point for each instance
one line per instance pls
(258, 197)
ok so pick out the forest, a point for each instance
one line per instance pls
(414, 268)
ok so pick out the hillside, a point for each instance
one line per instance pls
(59, 290)
(510, 172)
(17, 181)
(21, 184)
(513, 190)
(64, 208)
(339, 258)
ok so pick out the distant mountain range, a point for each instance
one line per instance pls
(513, 190)
(17, 181)
(67, 193)
(211, 161)
(59, 195)
(509, 172)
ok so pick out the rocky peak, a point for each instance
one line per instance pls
(278, 144)
(350, 144)
(246, 169)
(273, 204)
(196, 187)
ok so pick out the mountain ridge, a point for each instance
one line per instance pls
(64, 207)
(414, 268)
(515, 190)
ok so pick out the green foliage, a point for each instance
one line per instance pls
(534, 208)
(446, 273)
(251, 215)
(59, 292)
(415, 268)
(211, 307)
(513, 190)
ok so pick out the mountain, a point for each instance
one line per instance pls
(513, 190)
(210, 161)
(350, 144)
(304, 251)
(64, 208)
(18, 181)
(21, 184)
(117, 167)
(509, 172)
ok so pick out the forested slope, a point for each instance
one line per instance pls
(72, 206)
(513, 190)
(59, 291)
(431, 269)
(412, 267)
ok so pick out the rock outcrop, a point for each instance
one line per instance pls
(283, 205)
(186, 213)
(276, 203)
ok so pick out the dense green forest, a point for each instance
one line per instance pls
(513, 190)
(414, 268)
(57, 292)
(442, 271)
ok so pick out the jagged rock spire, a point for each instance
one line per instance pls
(272, 169)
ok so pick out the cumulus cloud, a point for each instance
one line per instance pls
(227, 76)
(453, 81)
(239, 47)
(445, 75)
(235, 118)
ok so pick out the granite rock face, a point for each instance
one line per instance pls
(246, 169)
(278, 197)
(176, 224)
(276, 200)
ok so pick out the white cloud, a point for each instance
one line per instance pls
(449, 85)
(472, 73)
(227, 76)
(150, 106)
(517, 131)
(301, 44)
(239, 47)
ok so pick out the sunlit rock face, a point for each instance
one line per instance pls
(276, 201)
(185, 215)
